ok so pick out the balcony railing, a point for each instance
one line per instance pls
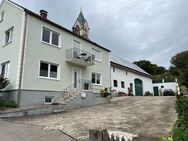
(80, 57)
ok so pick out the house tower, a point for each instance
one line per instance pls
(81, 26)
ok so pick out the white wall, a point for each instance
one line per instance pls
(167, 85)
(129, 77)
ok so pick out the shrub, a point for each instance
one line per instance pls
(104, 92)
(122, 94)
(180, 132)
(147, 94)
(8, 104)
(3, 82)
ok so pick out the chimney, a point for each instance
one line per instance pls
(43, 14)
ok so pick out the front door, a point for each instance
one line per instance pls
(76, 77)
(156, 91)
(138, 87)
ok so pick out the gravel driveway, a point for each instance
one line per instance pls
(147, 117)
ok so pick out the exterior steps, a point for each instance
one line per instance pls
(66, 97)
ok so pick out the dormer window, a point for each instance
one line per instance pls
(1, 16)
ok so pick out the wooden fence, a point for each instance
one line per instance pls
(95, 135)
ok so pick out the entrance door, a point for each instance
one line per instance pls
(138, 87)
(76, 77)
(156, 91)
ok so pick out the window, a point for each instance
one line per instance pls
(131, 86)
(96, 78)
(122, 84)
(50, 37)
(76, 44)
(5, 69)
(1, 16)
(49, 100)
(48, 70)
(114, 69)
(8, 35)
(126, 72)
(97, 53)
(115, 83)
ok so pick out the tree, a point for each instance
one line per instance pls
(180, 66)
(3, 82)
(150, 68)
(145, 65)
(180, 61)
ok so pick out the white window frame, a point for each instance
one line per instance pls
(94, 53)
(49, 66)
(2, 16)
(7, 69)
(96, 78)
(50, 40)
(10, 31)
(48, 103)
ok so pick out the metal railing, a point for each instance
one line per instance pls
(80, 85)
(75, 89)
(76, 53)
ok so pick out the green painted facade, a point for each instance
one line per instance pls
(13, 17)
(36, 51)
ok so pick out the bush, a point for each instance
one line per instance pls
(148, 93)
(3, 82)
(104, 92)
(122, 94)
(180, 132)
(8, 104)
(182, 110)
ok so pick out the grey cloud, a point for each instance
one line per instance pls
(133, 29)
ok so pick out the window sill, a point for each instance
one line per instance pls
(99, 61)
(50, 44)
(97, 84)
(7, 43)
(48, 78)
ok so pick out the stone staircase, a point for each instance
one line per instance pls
(73, 91)
(66, 97)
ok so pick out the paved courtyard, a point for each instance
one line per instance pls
(148, 117)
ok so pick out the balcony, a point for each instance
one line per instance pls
(80, 57)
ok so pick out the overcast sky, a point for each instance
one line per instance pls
(153, 30)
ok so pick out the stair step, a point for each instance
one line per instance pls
(59, 110)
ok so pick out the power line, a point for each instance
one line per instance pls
(125, 7)
(121, 4)
(130, 7)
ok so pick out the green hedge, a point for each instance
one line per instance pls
(8, 104)
(180, 132)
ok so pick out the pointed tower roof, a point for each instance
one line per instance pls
(81, 18)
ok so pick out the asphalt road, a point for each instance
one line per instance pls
(11, 131)
(147, 117)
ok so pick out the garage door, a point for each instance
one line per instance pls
(138, 87)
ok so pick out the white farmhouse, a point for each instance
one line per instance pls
(127, 77)
(45, 61)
